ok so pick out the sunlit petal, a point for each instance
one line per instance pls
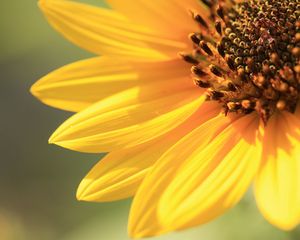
(119, 174)
(80, 84)
(104, 31)
(277, 186)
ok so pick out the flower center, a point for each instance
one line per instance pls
(249, 59)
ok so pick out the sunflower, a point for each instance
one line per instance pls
(193, 100)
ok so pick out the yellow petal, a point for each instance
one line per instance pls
(162, 16)
(143, 219)
(188, 183)
(104, 31)
(119, 174)
(214, 179)
(78, 85)
(277, 186)
(96, 129)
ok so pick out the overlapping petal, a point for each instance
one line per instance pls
(162, 16)
(105, 31)
(277, 186)
(125, 121)
(200, 177)
(143, 220)
(214, 179)
(78, 85)
(119, 174)
(140, 104)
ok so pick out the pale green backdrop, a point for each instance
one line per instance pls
(38, 181)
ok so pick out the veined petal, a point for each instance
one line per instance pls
(277, 186)
(104, 31)
(78, 85)
(191, 184)
(96, 129)
(162, 16)
(214, 179)
(119, 174)
(143, 219)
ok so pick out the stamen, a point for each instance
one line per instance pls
(208, 3)
(200, 20)
(198, 71)
(201, 83)
(218, 27)
(220, 12)
(205, 47)
(215, 70)
(195, 38)
(249, 55)
(189, 58)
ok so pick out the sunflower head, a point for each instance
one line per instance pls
(249, 60)
(184, 162)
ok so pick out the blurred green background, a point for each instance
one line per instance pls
(38, 181)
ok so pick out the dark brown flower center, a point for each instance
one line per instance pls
(249, 59)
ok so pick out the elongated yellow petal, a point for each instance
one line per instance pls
(78, 85)
(162, 16)
(277, 186)
(191, 184)
(104, 31)
(97, 130)
(119, 174)
(143, 219)
(214, 179)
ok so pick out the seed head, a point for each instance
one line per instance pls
(252, 55)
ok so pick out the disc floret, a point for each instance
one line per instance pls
(249, 58)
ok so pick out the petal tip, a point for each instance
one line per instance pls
(46, 5)
(80, 193)
(51, 140)
(134, 233)
(133, 228)
(35, 91)
(85, 193)
(43, 4)
(55, 139)
(288, 227)
(137, 229)
(285, 225)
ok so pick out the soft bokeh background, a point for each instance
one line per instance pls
(38, 181)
